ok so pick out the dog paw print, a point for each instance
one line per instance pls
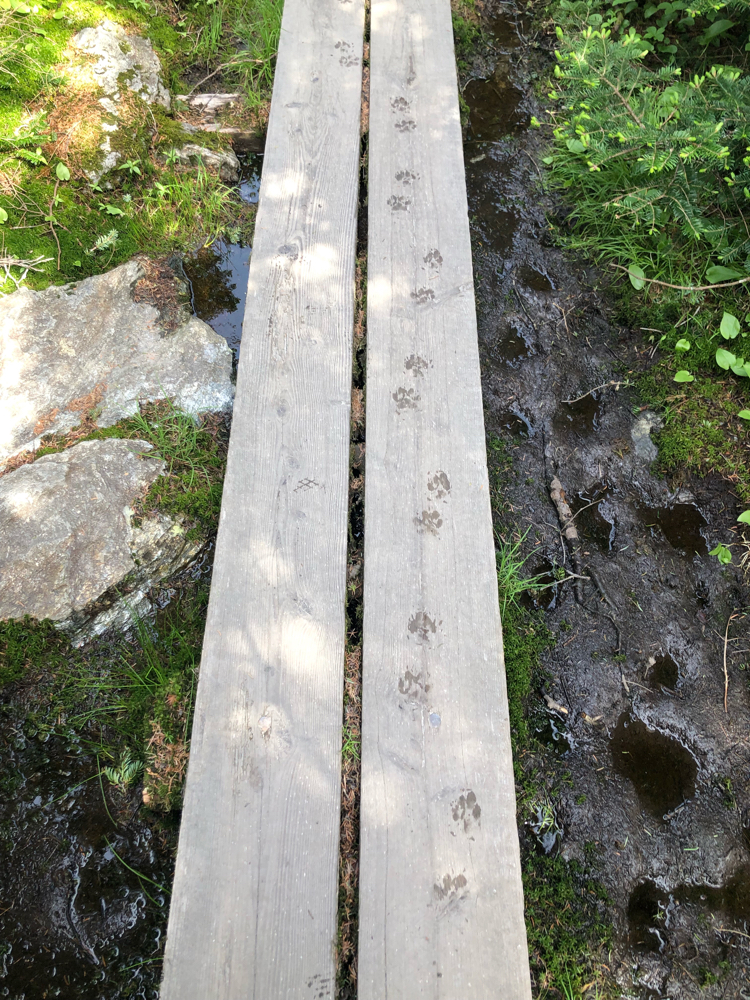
(429, 522)
(466, 811)
(405, 399)
(423, 295)
(449, 887)
(406, 176)
(400, 105)
(439, 485)
(417, 365)
(423, 628)
(434, 260)
(398, 203)
(413, 686)
(405, 125)
(348, 56)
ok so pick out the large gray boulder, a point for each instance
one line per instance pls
(110, 342)
(123, 60)
(69, 549)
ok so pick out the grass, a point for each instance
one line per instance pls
(63, 228)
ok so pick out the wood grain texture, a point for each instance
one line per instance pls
(441, 904)
(254, 906)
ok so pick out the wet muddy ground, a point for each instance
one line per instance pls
(658, 789)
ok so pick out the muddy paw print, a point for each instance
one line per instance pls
(398, 203)
(348, 56)
(438, 485)
(466, 810)
(405, 125)
(400, 104)
(413, 686)
(449, 887)
(434, 260)
(423, 295)
(416, 365)
(429, 522)
(405, 399)
(406, 176)
(423, 628)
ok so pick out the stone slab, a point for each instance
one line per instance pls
(67, 537)
(112, 342)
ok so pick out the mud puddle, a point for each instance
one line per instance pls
(657, 784)
(218, 273)
(83, 912)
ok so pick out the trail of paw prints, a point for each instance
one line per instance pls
(466, 812)
(348, 54)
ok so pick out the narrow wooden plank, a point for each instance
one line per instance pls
(254, 905)
(441, 903)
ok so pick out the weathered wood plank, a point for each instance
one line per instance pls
(254, 906)
(441, 904)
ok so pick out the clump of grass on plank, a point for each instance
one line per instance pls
(58, 225)
(649, 124)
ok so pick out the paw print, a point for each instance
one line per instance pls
(438, 485)
(416, 365)
(406, 176)
(398, 203)
(414, 686)
(466, 810)
(405, 399)
(400, 104)
(423, 295)
(423, 628)
(434, 260)
(429, 521)
(405, 125)
(348, 58)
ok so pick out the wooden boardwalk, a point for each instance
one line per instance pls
(253, 914)
(254, 905)
(441, 905)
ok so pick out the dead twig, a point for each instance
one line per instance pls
(726, 672)
(606, 385)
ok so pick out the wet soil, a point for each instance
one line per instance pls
(658, 788)
(82, 912)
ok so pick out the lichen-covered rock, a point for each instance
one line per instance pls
(123, 60)
(107, 343)
(222, 161)
(69, 550)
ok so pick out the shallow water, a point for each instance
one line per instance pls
(218, 273)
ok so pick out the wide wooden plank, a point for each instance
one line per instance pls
(441, 904)
(254, 905)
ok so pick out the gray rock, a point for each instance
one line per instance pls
(123, 60)
(104, 343)
(640, 432)
(223, 161)
(69, 549)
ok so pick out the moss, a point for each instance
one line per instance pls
(565, 922)
(702, 432)
(525, 638)
(29, 644)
